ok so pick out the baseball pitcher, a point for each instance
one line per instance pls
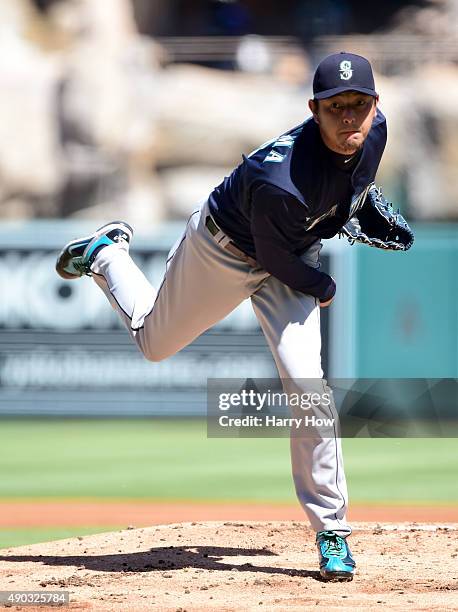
(258, 236)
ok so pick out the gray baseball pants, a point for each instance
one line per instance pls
(203, 283)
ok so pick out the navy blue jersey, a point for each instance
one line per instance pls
(292, 191)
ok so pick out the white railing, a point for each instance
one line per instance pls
(219, 48)
(389, 53)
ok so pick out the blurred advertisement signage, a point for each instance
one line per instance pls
(63, 350)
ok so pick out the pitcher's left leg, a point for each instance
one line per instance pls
(291, 323)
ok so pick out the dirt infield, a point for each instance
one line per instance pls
(30, 513)
(240, 566)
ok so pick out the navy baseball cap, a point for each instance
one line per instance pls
(341, 72)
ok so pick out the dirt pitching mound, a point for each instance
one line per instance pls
(240, 566)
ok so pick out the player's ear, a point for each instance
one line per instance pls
(313, 106)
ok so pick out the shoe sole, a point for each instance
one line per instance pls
(336, 576)
(65, 256)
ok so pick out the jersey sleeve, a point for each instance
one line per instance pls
(277, 219)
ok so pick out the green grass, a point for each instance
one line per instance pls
(33, 535)
(402, 471)
(143, 459)
(174, 460)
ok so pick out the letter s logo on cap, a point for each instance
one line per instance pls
(345, 70)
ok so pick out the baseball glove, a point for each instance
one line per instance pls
(377, 225)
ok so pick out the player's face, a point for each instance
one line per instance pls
(344, 120)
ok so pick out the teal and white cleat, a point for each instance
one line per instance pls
(77, 256)
(336, 561)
